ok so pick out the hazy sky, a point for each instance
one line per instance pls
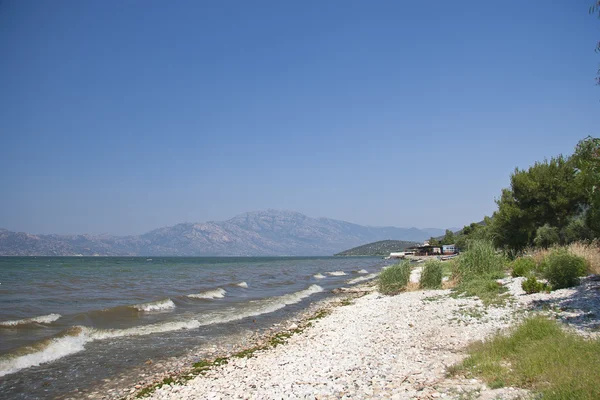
(122, 117)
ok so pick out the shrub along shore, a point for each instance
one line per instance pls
(475, 334)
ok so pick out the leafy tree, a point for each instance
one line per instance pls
(546, 236)
(434, 242)
(448, 237)
(549, 192)
(587, 163)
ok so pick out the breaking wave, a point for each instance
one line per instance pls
(160, 305)
(44, 319)
(209, 294)
(362, 279)
(336, 273)
(242, 284)
(319, 276)
(362, 271)
(75, 339)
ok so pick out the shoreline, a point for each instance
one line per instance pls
(366, 345)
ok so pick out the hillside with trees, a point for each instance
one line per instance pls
(381, 248)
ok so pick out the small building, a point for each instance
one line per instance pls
(449, 249)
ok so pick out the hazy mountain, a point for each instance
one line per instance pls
(270, 232)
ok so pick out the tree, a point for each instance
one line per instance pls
(549, 192)
(587, 164)
(448, 237)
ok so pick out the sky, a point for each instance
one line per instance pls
(124, 116)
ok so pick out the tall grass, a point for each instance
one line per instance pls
(541, 356)
(480, 260)
(394, 279)
(431, 277)
(476, 271)
(590, 252)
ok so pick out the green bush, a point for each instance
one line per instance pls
(522, 266)
(563, 269)
(532, 285)
(395, 278)
(431, 277)
(480, 259)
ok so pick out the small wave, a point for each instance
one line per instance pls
(75, 339)
(242, 284)
(43, 352)
(160, 305)
(336, 273)
(362, 271)
(44, 319)
(209, 294)
(319, 276)
(362, 279)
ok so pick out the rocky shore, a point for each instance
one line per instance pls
(377, 346)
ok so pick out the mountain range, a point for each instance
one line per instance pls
(259, 233)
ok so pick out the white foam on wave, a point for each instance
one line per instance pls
(319, 276)
(75, 341)
(44, 319)
(242, 284)
(209, 294)
(160, 305)
(362, 271)
(55, 349)
(362, 279)
(264, 306)
(336, 273)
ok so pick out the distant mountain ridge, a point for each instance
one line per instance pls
(258, 233)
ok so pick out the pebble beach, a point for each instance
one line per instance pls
(376, 346)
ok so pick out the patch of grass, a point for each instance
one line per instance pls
(522, 266)
(345, 302)
(319, 314)
(394, 279)
(538, 355)
(476, 271)
(431, 277)
(480, 259)
(563, 269)
(150, 389)
(486, 288)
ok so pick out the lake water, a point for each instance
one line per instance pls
(70, 322)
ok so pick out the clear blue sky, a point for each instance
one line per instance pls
(121, 117)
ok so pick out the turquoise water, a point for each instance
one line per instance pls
(95, 316)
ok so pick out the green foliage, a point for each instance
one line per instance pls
(448, 237)
(563, 269)
(381, 248)
(540, 356)
(485, 287)
(555, 201)
(431, 277)
(546, 236)
(532, 285)
(477, 270)
(479, 260)
(394, 279)
(547, 193)
(434, 242)
(522, 266)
